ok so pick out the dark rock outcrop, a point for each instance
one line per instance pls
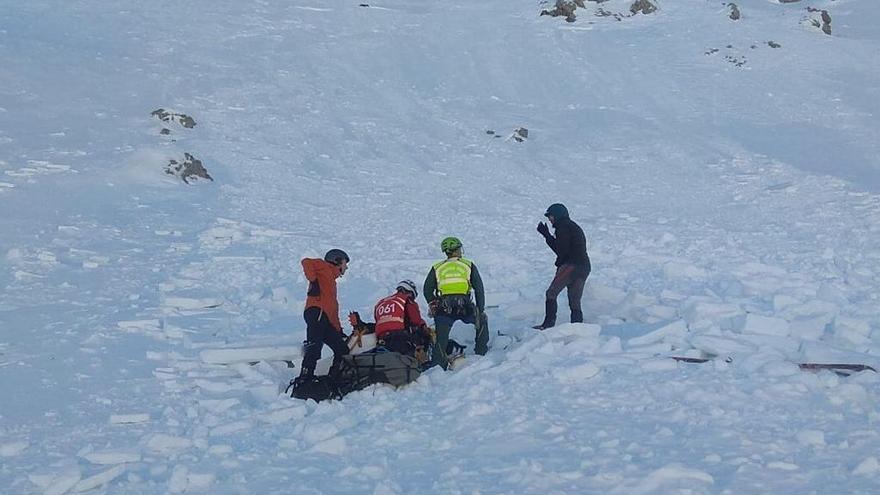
(734, 12)
(190, 168)
(643, 6)
(167, 116)
(565, 8)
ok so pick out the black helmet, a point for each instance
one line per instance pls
(336, 256)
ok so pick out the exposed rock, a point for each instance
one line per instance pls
(520, 134)
(773, 44)
(165, 131)
(643, 6)
(823, 22)
(737, 61)
(190, 169)
(168, 116)
(564, 8)
(826, 22)
(789, 1)
(734, 11)
(604, 13)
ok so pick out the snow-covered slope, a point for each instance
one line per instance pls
(728, 188)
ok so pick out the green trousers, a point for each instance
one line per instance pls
(443, 325)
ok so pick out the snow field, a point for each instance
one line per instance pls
(731, 216)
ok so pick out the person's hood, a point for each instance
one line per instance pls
(557, 211)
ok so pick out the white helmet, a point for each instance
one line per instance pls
(408, 286)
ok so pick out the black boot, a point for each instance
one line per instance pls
(549, 315)
(305, 374)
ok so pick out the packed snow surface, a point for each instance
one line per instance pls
(726, 173)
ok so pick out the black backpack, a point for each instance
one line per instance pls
(317, 388)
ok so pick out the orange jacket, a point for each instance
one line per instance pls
(323, 274)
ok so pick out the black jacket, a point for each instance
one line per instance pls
(570, 245)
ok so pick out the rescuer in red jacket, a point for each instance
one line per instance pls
(399, 322)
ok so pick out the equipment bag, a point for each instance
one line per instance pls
(357, 372)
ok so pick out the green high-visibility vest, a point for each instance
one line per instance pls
(453, 276)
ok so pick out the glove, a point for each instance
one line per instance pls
(355, 319)
(543, 229)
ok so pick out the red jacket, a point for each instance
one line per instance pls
(396, 312)
(323, 274)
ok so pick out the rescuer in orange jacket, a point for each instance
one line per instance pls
(322, 310)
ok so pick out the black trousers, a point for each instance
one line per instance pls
(320, 331)
(568, 277)
(399, 341)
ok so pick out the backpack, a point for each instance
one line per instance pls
(317, 388)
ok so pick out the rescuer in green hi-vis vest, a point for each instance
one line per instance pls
(448, 290)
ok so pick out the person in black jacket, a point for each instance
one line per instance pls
(572, 263)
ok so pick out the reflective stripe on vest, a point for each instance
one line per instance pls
(453, 276)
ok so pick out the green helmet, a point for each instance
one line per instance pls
(450, 244)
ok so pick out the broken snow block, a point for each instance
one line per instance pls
(765, 325)
(810, 327)
(853, 330)
(674, 332)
